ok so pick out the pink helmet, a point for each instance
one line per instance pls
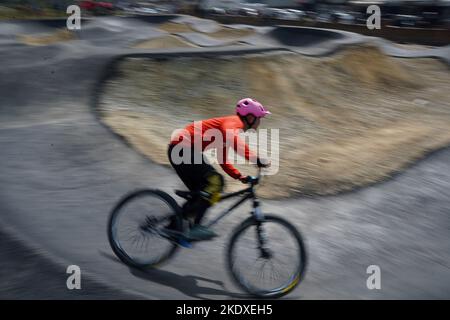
(250, 106)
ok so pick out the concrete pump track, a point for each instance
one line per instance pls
(62, 171)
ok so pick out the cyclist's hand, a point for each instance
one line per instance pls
(245, 179)
(263, 163)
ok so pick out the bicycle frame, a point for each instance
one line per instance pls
(249, 194)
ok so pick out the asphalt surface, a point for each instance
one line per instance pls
(62, 171)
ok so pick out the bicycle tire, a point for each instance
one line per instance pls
(296, 278)
(115, 245)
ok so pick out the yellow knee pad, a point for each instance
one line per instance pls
(214, 187)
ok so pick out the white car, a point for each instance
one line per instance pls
(324, 17)
(286, 15)
(299, 13)
(145, 10)
(248, 12)
(217, 11)
(404, 20)
(344, 18)
(268, 12)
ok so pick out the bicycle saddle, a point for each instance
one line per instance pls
(184, 194)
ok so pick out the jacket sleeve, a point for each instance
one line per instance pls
(226, 165)
(243, 149)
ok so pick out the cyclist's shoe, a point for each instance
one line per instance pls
(199, 233)
(176, 237)
(184, 243)
(171, 232)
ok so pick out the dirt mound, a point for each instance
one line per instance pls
(225, 33)
(174, 27)
(345, 121)
(48, 38)
(372, 68)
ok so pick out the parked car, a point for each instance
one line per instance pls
(215, 10)
(268, 12)
(164, 10)
(95, 7)
(288, 14)
(282, 14)
(360, 18)
(343, 18)
(145, 10)
(324, 17)
(299, 13)
(232, 11)
(122, 5)
(403, 20)
(311, 15)
(429, 19)
(248, 12)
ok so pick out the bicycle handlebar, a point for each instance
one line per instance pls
(254, 180)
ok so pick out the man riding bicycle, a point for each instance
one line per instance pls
(204, 182)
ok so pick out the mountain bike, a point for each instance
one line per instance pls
(138, 234)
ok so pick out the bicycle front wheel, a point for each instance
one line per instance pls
(137, 228)
(273, 269)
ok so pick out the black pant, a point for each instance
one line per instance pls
(198, 179)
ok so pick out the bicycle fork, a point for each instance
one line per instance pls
(260, 232)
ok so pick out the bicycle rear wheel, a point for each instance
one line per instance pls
(272, 272)
(137, 228)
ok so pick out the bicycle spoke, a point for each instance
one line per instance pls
(134, 240)
(130, 232)
(147, 242)
(275, 275)
(259, 272)
(133, 236)
(139, 246)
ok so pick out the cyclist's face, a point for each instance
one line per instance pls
(256, 124)
(252, 119)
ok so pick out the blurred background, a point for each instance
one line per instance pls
(402, 13)
(86, 115)
(400, 18)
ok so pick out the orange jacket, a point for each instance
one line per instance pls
(229, 128)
